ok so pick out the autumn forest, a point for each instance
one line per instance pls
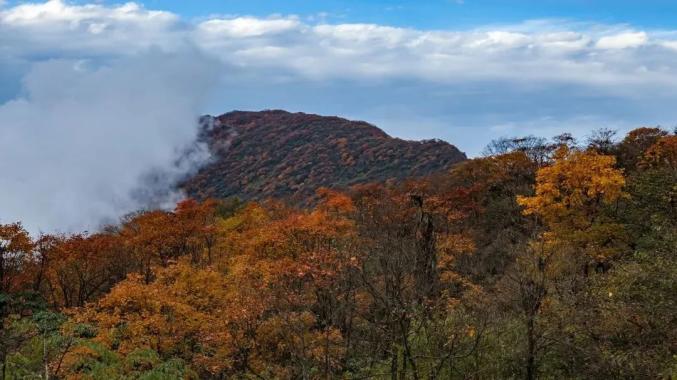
(542, 259)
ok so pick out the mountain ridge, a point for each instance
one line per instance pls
(279, 154)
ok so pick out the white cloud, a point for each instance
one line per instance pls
(623, 40)
(669, 44)
(502, 39)
(57, 28)
(76, 147)
(57, 11)
(248, 27)
(376, 52)
(533, 51)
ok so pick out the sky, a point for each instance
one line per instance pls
(98, 97)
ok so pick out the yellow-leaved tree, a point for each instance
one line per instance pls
(575, 199)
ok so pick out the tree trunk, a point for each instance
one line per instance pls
(426, 256)
(393, 367)
(3, 359)
(44, 356)
(531, 350)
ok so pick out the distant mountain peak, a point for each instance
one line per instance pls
(275, 153)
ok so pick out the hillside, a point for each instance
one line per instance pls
(278, 154)
(482, 263)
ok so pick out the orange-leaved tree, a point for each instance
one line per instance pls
(184, 313)
(292, 264)
(16, 247)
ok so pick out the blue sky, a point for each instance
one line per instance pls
(94, 94)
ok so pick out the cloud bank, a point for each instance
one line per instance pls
(92, 85)
(76, 146)
(546, 50)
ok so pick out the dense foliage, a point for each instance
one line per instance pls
(540, 260)
(259, 155)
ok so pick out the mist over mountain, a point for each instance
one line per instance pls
(86, 143)
(277, 154)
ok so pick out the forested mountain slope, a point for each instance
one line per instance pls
(544, 260)
(278, 154)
